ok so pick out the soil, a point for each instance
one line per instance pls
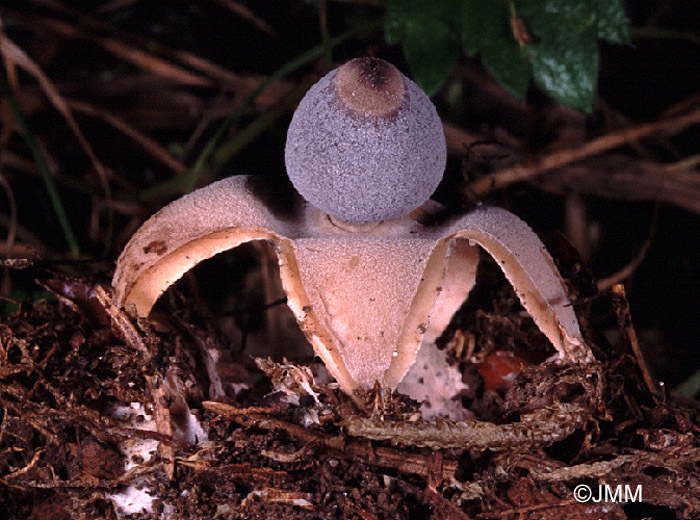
(274, 449)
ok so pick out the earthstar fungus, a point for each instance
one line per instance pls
(366, 278)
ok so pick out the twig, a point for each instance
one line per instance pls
(228, 411)
(131, 54)
(529, 509)
(566, 156)
(628, 270)
(623, 178)
(682, 106)
(32, 463)
(114, 5)
(272, 495)
(12, 228)
(168, 440)
(628, 330)
(245, 13)
(401, 461)
(540, 428)
(146, 59)
(12, 160)
(120, 323)
(373, 3)
(164, 426)
(34, 244)
(684, 164)
(3, 423)
(588, 470)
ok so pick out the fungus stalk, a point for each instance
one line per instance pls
(364, 277)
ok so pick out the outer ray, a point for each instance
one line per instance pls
(364, 294)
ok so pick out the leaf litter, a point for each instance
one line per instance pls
(104, 417)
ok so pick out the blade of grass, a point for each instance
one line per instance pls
(41, 164)
(301, 60)
(186, 182)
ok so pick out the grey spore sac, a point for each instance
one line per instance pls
(365, 144)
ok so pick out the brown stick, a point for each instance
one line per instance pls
(566, 156)
(401, 461)
(619, 177)
(628, 330)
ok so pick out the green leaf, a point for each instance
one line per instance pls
(431, 61)
(485, 27)
(568, 70)
(565, 53)
(476, 20)
(560, 50)
(428, 36)
(607, 16)
(612, 21)
(509, 65)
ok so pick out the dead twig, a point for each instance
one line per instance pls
(615, 176)
(5, 283)
(540, 428)
(566, 156)
(12, 228)
(130, 54)
(245, 13)
(121, 324)
(273, 495)
(161, 412)
(628, 332)
(229, 412)
(211, 73)
(398, 460)
(242, 472)
(151, 435)
(628, 270)
(373, 3)
(21, 471)
(529, 509)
